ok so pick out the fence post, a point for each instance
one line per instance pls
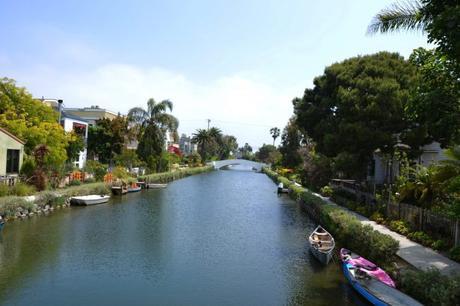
(457, 233)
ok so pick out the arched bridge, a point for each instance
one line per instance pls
(233, 162)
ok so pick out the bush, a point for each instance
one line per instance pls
(4, 190)
(86, 189)
(421, 237)
(19, 189)
(439, 245)
(97, 169)
(400, 226)
(326, 191)
(432, 288)
(454, 253)
(75, 183)
(90, 180)
(9, 205)
(377, 217)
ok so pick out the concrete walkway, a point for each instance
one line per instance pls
(415, 254)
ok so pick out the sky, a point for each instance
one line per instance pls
(238, 63)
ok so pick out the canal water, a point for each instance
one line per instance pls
(220, 238)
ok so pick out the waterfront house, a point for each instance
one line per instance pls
(380, 167)
(11, 156)
(91, 114)
(79, 126)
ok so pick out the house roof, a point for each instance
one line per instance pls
(12, 136)
(70, 116)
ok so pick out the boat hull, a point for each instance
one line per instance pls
(322, 245)
(136, 189)
(322, 257)
(360, 289)
(156, 186)
(85, 200)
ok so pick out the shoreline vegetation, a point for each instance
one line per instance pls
(429, 287)
(44, 202)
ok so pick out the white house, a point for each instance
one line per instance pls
(380, 170)
(80, 127)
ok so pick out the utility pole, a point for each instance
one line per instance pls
(209, 121)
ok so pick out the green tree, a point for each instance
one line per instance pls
(75, 146)
(290, 144)
(107, 138)
(208, 142)
(399, 16)
(275, 132)
(152, 124)
(268, 154)
(356, 107)
(246, 152)
(228, 146)
(33, 122)
(435, 103)
(128, 159)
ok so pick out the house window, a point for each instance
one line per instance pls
(12, 161)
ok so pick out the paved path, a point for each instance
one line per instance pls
(415, 254)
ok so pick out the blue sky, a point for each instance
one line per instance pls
(239, 63)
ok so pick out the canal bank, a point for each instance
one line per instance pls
(219, 238)
(45, 202)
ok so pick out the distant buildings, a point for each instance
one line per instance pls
(11, 156)
(186, 146)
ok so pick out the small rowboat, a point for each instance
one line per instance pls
(89, 200)
(134, 189)
(376, 290)
(156, 186)
(281, 189)
(321, 244)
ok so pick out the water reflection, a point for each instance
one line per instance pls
(221, 238)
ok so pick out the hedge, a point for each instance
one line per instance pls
(345, 227)
(166, 177)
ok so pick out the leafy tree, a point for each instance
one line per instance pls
(128, 159)
(152, 125)
(355, 107)
(228, 146)
(32, 121)
(268, 154)
(107, 138)
(275, 132)
(246, 152)
(316, 169)
(290, 144)
(75, 146)
(435, 105)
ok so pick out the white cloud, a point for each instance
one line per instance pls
(238, 104)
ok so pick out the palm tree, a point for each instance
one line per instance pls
(151, 126)
(155, 114)
(275, 132)
(399, 16)
(202, 138)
